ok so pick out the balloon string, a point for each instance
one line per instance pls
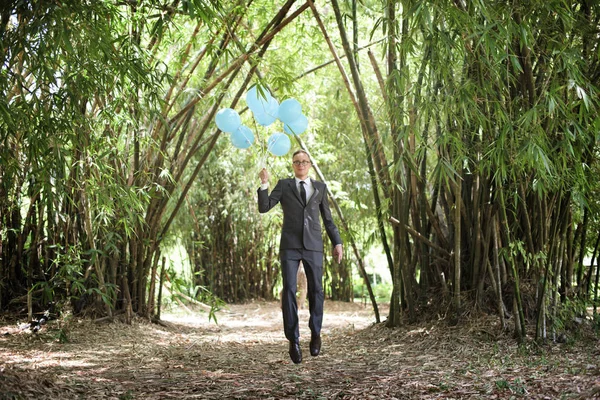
(264, 154)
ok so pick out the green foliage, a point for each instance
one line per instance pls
(128, 395)
(382, 291)
(516, 386)
(69, 282)
(569, 317)
(62, 336)
(596, 323)
(69, 274)
(181, 290)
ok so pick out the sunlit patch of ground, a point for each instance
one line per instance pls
(244, 356)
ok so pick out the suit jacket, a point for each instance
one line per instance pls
(301, 224)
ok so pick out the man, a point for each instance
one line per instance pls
(302, 200)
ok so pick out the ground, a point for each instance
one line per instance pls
(244, 356)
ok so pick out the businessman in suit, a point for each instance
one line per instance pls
(303, 200)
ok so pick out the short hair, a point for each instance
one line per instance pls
(300, 151)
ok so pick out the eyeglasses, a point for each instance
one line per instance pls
(303, 163)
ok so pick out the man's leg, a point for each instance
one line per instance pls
(289, 270)
(313, 266)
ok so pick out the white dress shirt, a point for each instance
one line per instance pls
(308, 186)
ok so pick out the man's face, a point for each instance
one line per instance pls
(301, 164)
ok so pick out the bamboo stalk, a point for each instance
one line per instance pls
(501, 306)
(518, 305)
(151, 291)
(457, 243)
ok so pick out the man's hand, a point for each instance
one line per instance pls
(337, 253)
(264, 176)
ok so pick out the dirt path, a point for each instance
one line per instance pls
(245, 357)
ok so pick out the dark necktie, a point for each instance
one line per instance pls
(303, 192)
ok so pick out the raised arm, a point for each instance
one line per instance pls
(266, 201)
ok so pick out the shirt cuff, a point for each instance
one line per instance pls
(264, 186)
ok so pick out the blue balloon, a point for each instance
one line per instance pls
(228, 120)
(242, 137)
(256, 101)
(297, 126)
(273, 107)
(264, 119)
(279, 144)
(289, 110)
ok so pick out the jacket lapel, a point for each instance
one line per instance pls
(294, 189)
(316, 191)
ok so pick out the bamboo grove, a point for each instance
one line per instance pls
(477, 125)
(514, 128)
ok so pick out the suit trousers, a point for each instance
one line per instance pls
(313, 266)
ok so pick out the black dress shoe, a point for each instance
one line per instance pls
(315, 345)
(295, 352)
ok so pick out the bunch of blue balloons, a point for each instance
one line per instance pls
(266, 110)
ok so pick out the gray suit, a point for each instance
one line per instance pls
(301, 240)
